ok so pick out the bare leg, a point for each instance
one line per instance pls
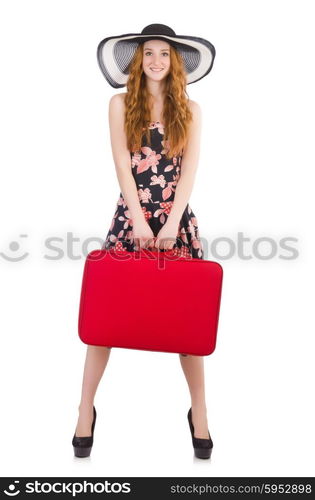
(193, 368)
(95, 364)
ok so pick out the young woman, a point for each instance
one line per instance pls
(155, 137)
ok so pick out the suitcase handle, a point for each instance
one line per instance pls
(152, 249)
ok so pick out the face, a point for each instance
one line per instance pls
(156, 59)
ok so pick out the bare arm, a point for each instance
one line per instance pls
(121, 156)
(189, 166)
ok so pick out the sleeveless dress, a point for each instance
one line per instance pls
(156, 178)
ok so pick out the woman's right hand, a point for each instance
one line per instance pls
(143, 234)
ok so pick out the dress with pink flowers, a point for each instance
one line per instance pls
(156, 178)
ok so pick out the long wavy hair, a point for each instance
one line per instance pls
(176, 112)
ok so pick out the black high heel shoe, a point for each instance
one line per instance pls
(202, 447)
(82, 445)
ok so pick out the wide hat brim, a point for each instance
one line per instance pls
(115, 53)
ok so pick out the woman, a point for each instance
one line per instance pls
(155, 136)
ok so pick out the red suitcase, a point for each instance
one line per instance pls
(150, 300)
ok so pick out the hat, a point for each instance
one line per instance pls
(115, 53)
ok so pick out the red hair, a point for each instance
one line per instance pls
(176, 112)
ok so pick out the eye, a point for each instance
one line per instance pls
(149, 52)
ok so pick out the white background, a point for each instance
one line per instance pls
(254, 177)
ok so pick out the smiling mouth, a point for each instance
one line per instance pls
(156, 70)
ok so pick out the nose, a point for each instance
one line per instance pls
(156, 60)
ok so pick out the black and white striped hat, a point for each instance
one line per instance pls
(115, 53)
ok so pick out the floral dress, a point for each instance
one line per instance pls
(156, 178)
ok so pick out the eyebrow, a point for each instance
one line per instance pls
(148, 48)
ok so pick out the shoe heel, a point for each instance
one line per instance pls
(203, 452)
(82, 452)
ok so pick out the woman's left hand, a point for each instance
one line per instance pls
(166, 237)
